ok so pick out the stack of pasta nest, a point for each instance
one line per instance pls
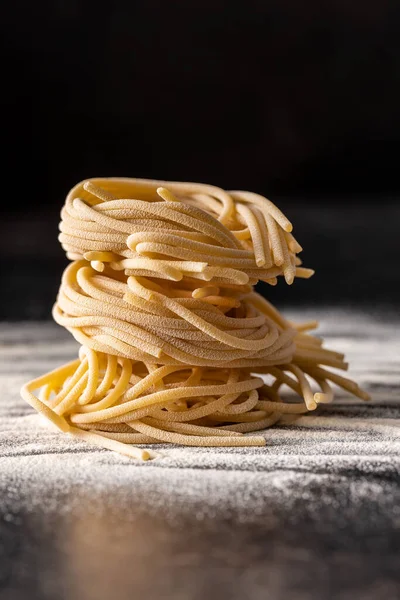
(176, 346)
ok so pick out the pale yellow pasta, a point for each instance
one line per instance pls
(160, 296)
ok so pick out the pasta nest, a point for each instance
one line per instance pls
(176, 346)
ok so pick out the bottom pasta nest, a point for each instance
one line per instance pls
(115, 402)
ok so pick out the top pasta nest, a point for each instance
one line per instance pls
(172, 230)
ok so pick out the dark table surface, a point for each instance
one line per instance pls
(313, 515)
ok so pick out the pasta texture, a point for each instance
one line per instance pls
(176, 346)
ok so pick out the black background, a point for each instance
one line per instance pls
(297, 101)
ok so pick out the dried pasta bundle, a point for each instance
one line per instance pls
(176, 346)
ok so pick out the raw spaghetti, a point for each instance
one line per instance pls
(176, 346)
